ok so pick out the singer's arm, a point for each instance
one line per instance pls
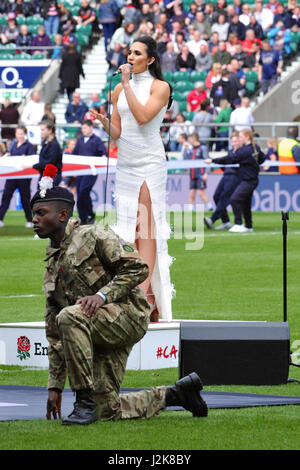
(159, 97)
(114, 128)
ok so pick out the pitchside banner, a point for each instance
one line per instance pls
(19, 76)
(273, 194)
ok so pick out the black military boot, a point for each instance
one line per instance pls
(186, 393)
(84, 409)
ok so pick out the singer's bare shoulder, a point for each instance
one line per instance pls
(161, 89)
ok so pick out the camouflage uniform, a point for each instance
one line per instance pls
(93, 351)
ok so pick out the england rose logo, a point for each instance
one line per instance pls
(24, 346)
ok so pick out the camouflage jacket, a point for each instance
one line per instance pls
(90, 258)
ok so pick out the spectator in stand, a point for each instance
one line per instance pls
(256, 27)
(264, 16)
(252, 61)
(5, 7)
(231, 44)
(273, 5)
(248, 42)
(162, 40)
(191, 14)
(124, 35)
(41, 42)
(10, 31)
(282, 15)
(31, 117)
(237, 27)
(222, 56)
(96, 100)
(180, 126)
(185, 60)
(76, 109)
(146, 14)
(203, 59)
(195, 97)
(164, 23)
(65, 16)
(109, 12)
(201, 120)
(21, 8)
(67, 35)
(195, 43)
(237, 75)
(237, 6)
(70, 70)
(224, 89)
(272, 154)
(210, 13)
(245, 15)
(115, 57)
(240, 55)
(49, 115)
(213, 43)
(144, 29)
(50, 13)
(168, 60)
(213, 76)
(202, 25)
(295, 19)
(87, 15)
(58, 49)
(230, 12)
(241, 117)
(8, 115)
(18, 147)
(221, 27)
(270, 66)
(24, 39)
(221, 6)
(175, 29)
(222, 132)
(177, 13)
(131, 12)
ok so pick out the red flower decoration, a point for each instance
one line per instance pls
(50, 170)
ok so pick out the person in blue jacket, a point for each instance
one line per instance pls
(224, 190)
(88, 145)
(20, 146)
(50, 152)
(249, 157)
(109, 13)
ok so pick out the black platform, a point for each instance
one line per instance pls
(29, 403)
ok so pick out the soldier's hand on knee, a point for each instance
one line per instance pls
(54, 404)
(90, 304)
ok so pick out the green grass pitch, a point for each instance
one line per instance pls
(232, 277)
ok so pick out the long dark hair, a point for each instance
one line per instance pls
(154, 68)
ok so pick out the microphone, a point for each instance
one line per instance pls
(117, 72)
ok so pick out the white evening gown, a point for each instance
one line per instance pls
(141, 157)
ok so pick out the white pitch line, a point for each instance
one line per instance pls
(3, 404)
(19, 296)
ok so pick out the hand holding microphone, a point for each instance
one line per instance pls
(121, 68)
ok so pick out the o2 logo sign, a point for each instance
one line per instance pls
(10, 78)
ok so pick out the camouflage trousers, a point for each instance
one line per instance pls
(96, 352)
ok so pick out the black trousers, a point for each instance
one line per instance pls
(84, 186)
(241, 202)
(10, 187)
(222, 197)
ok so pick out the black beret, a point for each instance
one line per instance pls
(54, 194)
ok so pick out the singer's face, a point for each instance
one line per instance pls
(138, 57)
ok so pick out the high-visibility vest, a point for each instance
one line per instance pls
(285, 155)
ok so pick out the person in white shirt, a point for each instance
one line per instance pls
(264, 16)
(31, 117)
(241, 117)
(245, 16)
(195, 43)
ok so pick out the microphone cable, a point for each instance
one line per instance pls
(108, 147)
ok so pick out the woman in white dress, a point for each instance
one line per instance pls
(139, 105)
